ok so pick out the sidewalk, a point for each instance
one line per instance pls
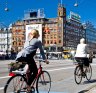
(91, 89)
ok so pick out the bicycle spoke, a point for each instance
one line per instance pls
(43, 83)
(78, 75)
(15, 85)
(88, 72)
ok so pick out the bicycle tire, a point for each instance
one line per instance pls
(88, 73)
(78, 75)
(15, 84)
(43, 83)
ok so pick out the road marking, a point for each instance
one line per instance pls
(57, 65)
(70, 67)
(93, 64)
(1, 88)
(65, 68)
(51, 70)
(47, 70)
(60, 69)
(5, 77)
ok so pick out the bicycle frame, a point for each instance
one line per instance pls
(81, 72)
(18, 82)
(27, 74)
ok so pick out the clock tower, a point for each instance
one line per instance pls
(62, 23)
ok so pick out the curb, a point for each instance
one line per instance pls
(91, 89)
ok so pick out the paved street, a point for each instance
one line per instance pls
(62, 75)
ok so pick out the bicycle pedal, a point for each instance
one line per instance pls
(33, 90)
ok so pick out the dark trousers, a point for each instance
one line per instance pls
(33, 70)
(84, 61)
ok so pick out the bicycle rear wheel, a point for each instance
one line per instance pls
(15, 84)
(88, 72)
(78, 75)
(43, 83)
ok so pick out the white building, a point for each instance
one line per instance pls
(5, 40)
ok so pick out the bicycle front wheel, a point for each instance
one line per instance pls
(43, 83)
(15, 84)
(78, 75)
(88, 72)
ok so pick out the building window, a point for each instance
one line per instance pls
(51, 42)
(47, 41)
(59, 41)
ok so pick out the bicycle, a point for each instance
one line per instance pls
(18, 82)
(78, 74)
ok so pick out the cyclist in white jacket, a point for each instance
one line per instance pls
(82, 53)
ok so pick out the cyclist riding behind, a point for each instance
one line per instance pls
(82, 53)
(28, 52)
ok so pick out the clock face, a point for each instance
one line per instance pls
(61, 12)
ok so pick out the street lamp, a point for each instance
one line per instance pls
(76, 4)
(6, 8)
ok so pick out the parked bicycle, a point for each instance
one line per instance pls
(78, 74)
(18, 82)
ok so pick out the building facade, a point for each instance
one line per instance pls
(74, 31)
(18, 35)
(52, 29)
(91, 36)
(5, 40)
(57, 34)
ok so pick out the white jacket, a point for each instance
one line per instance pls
(82, 50)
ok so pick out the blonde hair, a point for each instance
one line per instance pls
(82, 40)
(34, 33)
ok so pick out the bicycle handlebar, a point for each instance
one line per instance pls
(40, 60)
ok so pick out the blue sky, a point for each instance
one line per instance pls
(86, 9)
